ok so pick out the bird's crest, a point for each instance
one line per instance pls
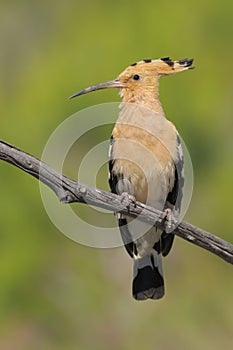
(160, 67)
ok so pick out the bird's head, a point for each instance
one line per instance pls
(141, 78)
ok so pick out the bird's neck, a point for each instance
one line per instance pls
(145, 98)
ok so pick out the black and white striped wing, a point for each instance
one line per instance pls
(174, 197)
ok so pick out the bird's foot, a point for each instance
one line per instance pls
(169, 220)
(127, 199)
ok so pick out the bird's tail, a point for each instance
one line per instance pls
(148, 277)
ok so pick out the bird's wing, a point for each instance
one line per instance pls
(112, 178)
(122, 222)
(174, 197)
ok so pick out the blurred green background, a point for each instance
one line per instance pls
(55, 293)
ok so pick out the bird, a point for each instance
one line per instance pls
(146, 164)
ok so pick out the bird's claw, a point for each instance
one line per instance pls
(127, 199)
(169, 220)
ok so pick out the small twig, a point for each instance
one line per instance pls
(69, 191)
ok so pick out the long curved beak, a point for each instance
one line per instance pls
(108, 84)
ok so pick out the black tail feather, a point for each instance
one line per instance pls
(148, 280)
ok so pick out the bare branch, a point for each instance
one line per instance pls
(69, 191)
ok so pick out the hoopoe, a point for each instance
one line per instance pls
(146, 162)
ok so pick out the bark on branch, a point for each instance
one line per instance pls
(69, 191)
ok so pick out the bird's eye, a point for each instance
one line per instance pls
(136, 77)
